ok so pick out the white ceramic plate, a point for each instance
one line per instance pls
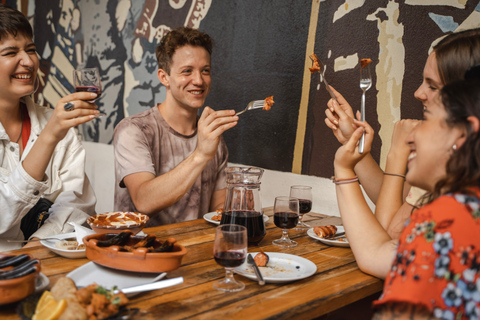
(41, 283)
(336, 243)
(108, 278)
(281, 267)
(72, 254)
(208, 217)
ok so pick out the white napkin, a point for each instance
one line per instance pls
(81, 232)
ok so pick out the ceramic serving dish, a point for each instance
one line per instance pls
(116, 222)
(139, 260)
(13, 290)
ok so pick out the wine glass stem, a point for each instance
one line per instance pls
(285, 237)
(229, 275)
(300, 218)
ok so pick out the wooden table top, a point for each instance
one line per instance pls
(336, 283)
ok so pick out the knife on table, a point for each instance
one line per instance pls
(251, 261)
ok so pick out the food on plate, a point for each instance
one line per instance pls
(365, 62)
(218, 216)
(11, 261)
(117, 219)
(17, 266)
(65, 289)
(91, 302)
(325, 232)
(316, 65)
(268, 103)
(48, 307)
(129, 243)
(261, 259)
(69, 245)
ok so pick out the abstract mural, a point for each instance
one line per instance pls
(261, 49)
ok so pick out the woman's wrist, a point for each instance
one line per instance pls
(344, 173)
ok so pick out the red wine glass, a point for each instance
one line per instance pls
(285, 216)
(88, 80)
(230, 251)
(304, 196)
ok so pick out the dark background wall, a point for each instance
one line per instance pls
(260, 50)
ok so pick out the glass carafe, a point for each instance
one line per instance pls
(242, 203)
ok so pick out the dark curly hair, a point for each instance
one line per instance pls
(178, 38)
(13, 22)
(461, 100)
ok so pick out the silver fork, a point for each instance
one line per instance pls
(252, 105)
(365, 84)
(322, 78)
(47, 239)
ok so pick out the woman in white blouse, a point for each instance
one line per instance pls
(40, 155)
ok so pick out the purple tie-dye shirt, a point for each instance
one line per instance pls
(145, 142)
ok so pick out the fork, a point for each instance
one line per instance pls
(322, 78)
(253, 105)
(47, 239)
(365, 84)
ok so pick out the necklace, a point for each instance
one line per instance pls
(21, 128)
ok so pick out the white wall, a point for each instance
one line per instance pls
(101, 172)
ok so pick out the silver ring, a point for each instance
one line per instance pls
(68, 106)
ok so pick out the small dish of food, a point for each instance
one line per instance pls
(67, 246)
(278, 267)
(125, 251)
(18, 277)
(116, 222)
(325, 236)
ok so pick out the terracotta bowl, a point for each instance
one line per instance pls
(116, 222)
(139, 260)
(13, 290)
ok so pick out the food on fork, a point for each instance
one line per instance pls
(325, 232)
(365, 62)
(316, 66)
(261, 259)
(268, 103)
(218, 216)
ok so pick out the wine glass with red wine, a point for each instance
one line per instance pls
(285, 216)
(304, 196)
(88, 80)
(230, 251)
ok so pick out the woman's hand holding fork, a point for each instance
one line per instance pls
(340, 118)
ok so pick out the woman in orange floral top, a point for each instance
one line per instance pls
(436, 268)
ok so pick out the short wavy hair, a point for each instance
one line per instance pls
(13, 22)
(178, 38)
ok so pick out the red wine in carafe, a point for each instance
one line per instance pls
(252, 220)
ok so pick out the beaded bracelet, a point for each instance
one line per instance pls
(395, 175)
(344, 181)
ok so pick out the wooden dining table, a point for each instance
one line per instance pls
(337, 282)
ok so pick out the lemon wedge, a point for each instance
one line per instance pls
(48, 308)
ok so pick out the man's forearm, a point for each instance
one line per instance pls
(156, 193)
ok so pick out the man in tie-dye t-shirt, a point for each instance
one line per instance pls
(169, 163)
